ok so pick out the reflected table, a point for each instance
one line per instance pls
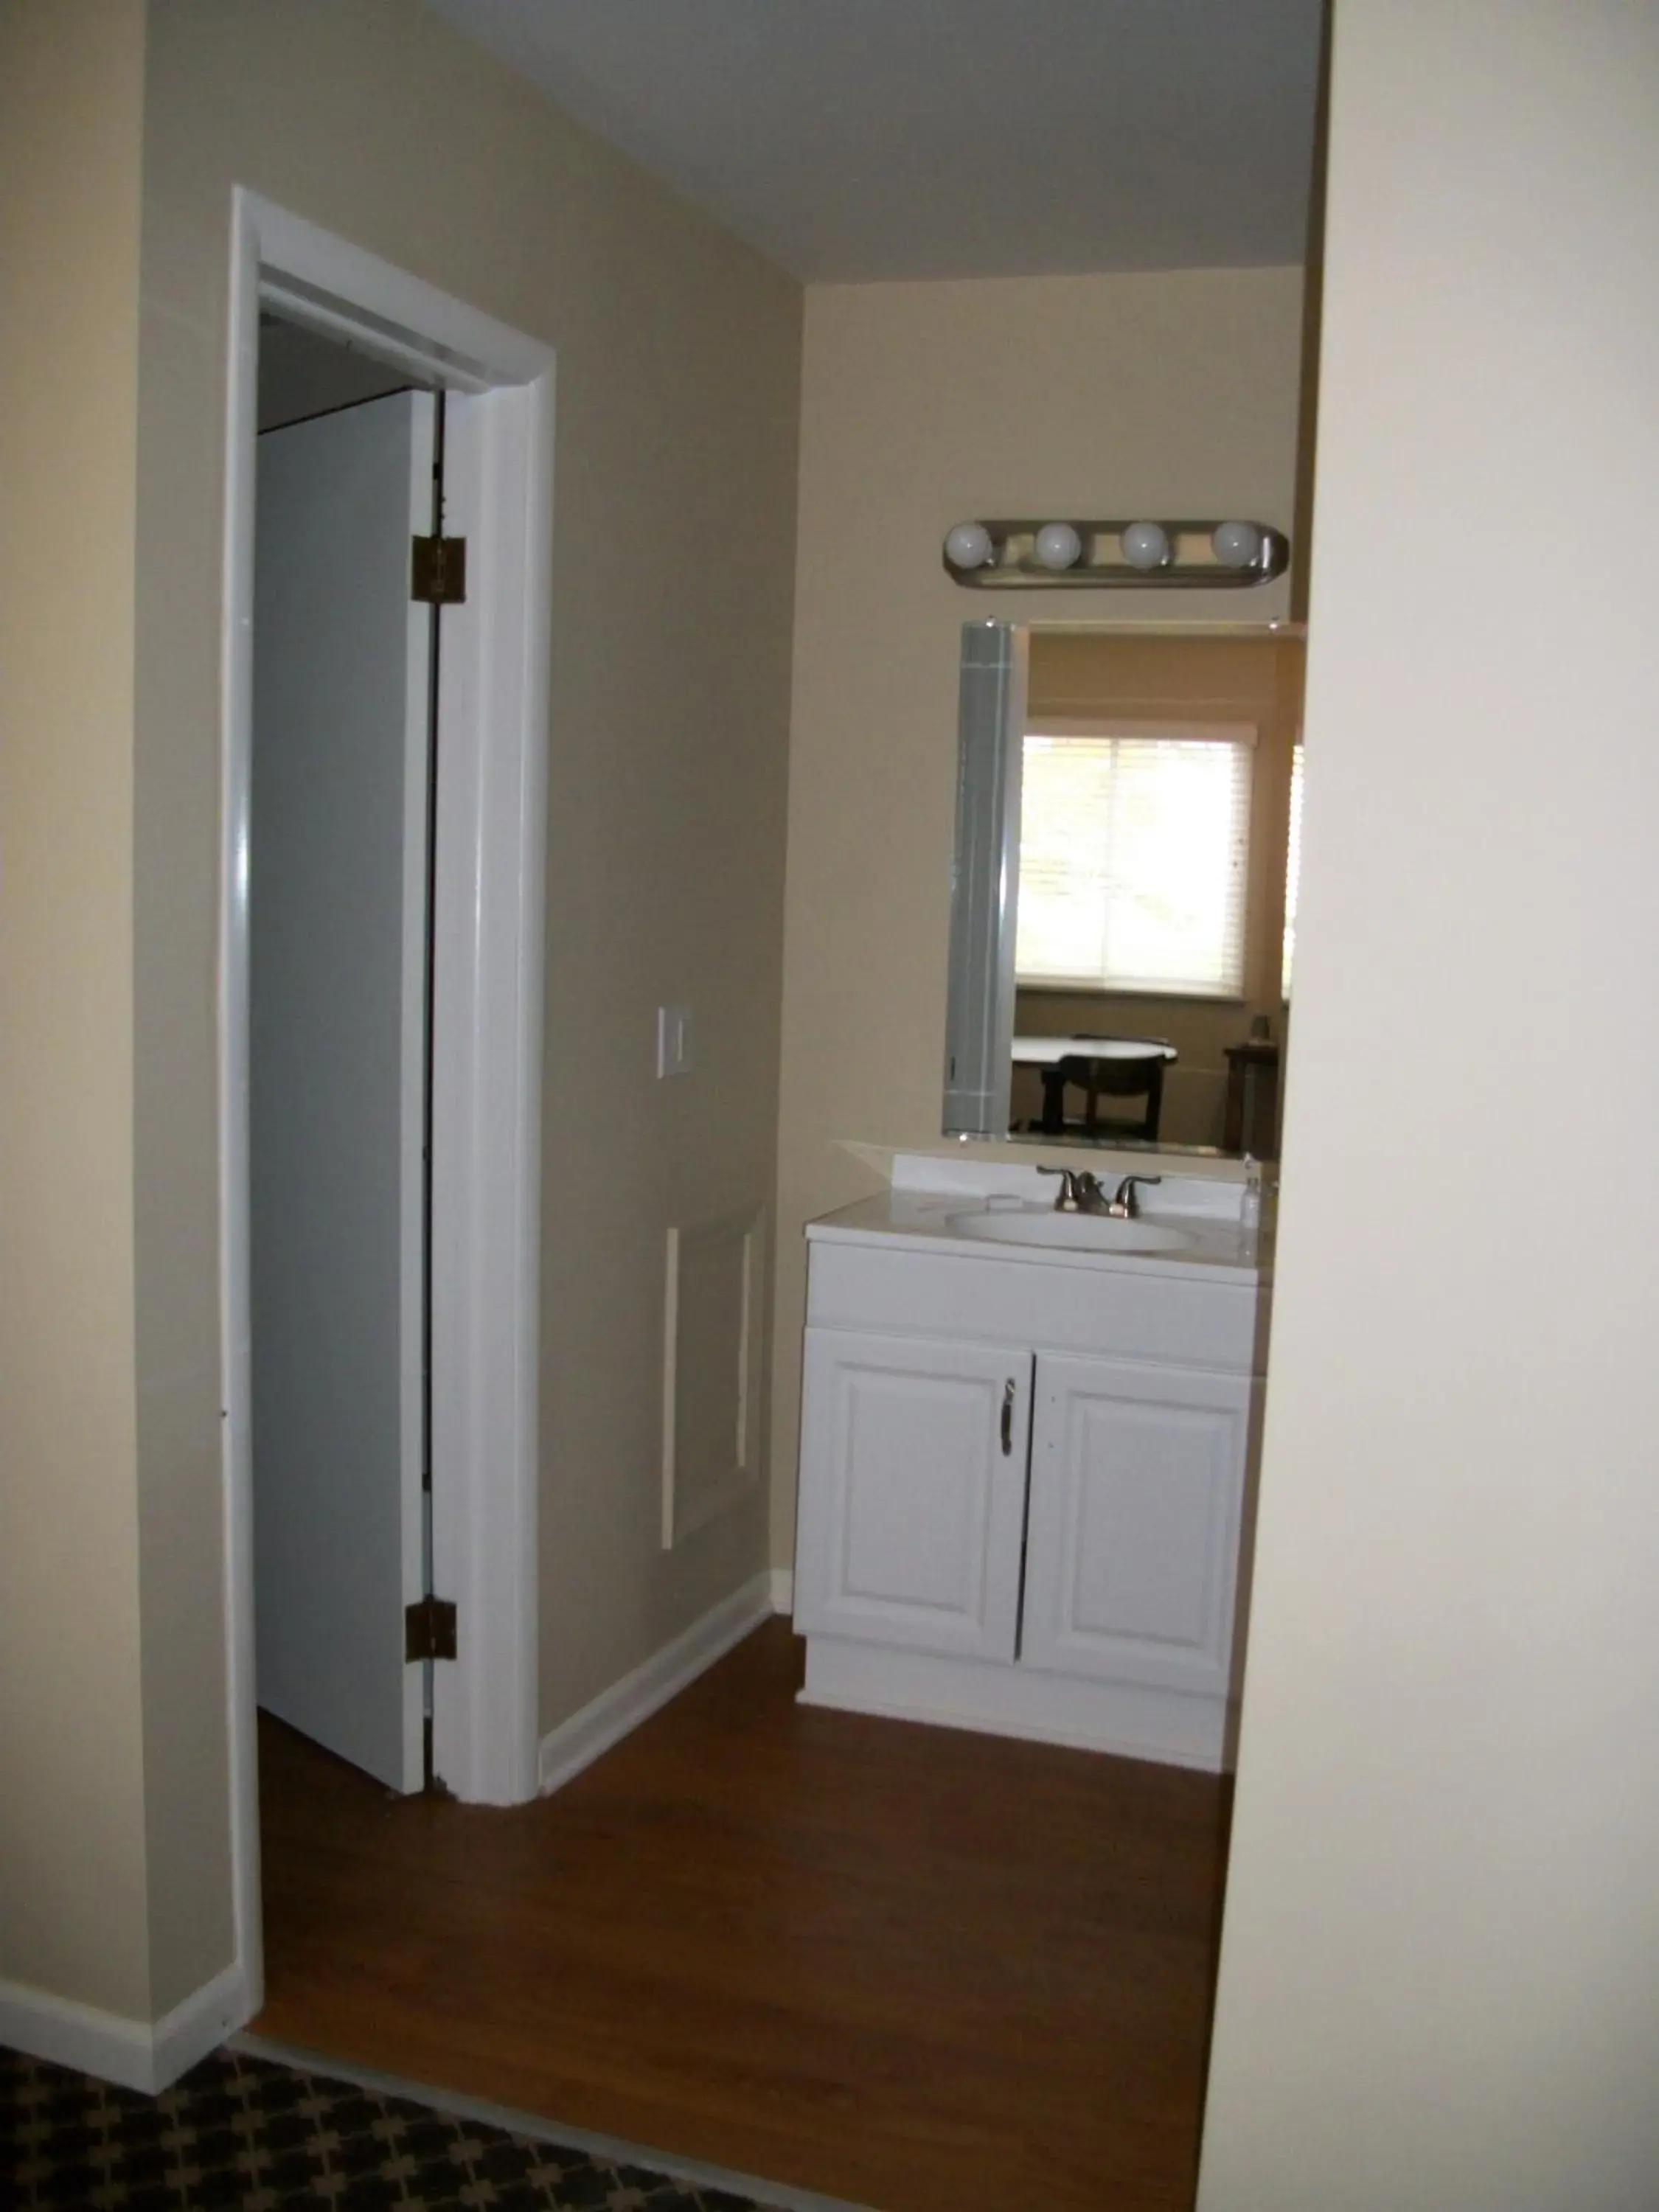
(1115, 1066)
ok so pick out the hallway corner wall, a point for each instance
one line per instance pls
(73, 1915)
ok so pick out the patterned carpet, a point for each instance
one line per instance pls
(242, 2132)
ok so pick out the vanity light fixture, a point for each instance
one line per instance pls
(1057, 545)
(1039, 556)
(1146, 545)
(967, 546)
(1236, 545)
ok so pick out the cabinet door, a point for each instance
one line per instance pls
(913, 1492)
(1137, 1477)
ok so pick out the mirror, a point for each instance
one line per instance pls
(1123, 902)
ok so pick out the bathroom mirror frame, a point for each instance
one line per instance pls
(994, 690)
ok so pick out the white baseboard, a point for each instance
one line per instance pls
(783, 1591)
(137, 2054)
(616, 1713)
(200, 2024)
(69, 2034)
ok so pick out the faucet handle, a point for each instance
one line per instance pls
(1126, 1204)
(1066, 1199)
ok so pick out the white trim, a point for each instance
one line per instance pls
(671, 1377)
(489, 928)
(783, 1592)
(236, 1324)
(339, 288)
(197, 2026)
(411, 1175)
(487, 1090)
(1173, 1727)
(680, 1521)
(105, 2044)
(617, 1711)
(136, 2053)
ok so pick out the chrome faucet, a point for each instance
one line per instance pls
(1126, 1205)
(1082, 1192)
(1079, 1191)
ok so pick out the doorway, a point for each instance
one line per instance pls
(486, 905)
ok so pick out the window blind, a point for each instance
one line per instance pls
(1135, 848)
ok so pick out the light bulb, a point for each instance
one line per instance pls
(1236, 545)
(1058, 546)
(1145, 545)
(968, 545)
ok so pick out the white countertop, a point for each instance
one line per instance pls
(920, 1221)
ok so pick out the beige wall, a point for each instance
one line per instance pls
(678, 364)
(73, 1911)
(677, 396)
(1437, 1981)
(924, 404)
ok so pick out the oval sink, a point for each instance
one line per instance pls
(1071, 1233)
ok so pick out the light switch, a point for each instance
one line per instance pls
(674, 1040)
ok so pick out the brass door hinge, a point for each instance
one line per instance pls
(429, 1629)
(437, 571)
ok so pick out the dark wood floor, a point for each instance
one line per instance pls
(926, 1970)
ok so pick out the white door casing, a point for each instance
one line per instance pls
(338, 900)
(488, 957)
(913, 1492)
(1137, 1477)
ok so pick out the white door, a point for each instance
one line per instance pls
(1132, 1545)
(913, 1492)
(337, 908)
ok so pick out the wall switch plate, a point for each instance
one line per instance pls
(674, 1040)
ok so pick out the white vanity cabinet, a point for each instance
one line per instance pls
(1022, 1482)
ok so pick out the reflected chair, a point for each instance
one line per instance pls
(1119, 1075)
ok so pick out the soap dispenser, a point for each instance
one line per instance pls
(1249, 1207)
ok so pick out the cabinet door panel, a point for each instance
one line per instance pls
(912, 1511)
(1137, 1475)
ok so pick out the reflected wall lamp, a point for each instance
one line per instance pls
(1044, 556)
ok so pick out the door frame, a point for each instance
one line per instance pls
(488, 925)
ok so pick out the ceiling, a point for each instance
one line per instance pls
(855, 140)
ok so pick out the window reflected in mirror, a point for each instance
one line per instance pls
(1157, 875)
(1158, 865)
(1133, 855)
(1127, 865)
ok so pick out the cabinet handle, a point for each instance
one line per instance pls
(1007, 1420)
